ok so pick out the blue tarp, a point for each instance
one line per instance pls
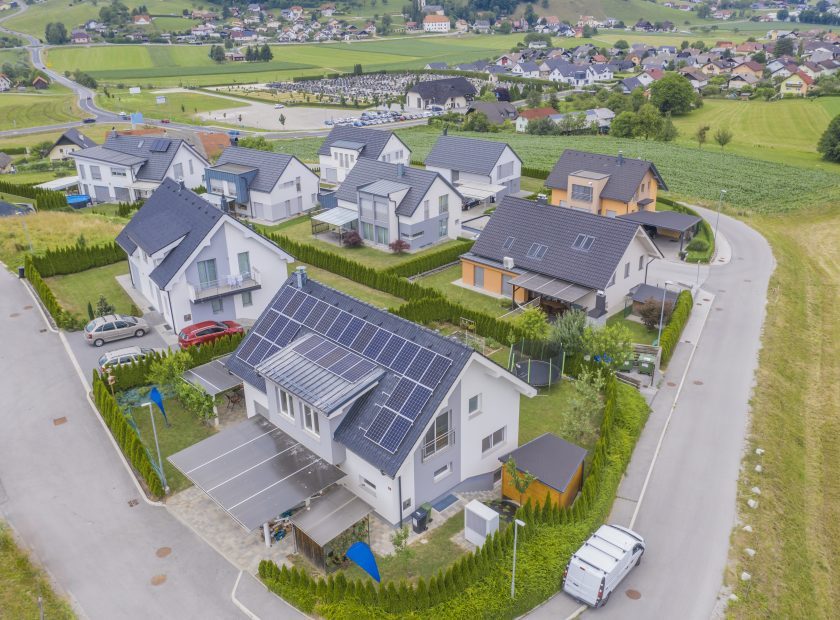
(361, 554)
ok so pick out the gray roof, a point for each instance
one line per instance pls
(466, 154)
(373, 140)
(7, 208)
(270, 166)
(438, 91)
(352, 428)
(100, 153)
(5, 160)
(626, 174)
(74, 136)
(496, 112)
(552, 460)
(437, 65)
(170, 213)
(669, 220)
(557, 228)
(642, 292)
(368, 171)
(133, 150)
(384, 187)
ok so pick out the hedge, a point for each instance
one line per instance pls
(76, 258)
(45, 199)
(479, 583)
(432, 310)
(705, 234)
(62, 318)
(125, 434)
(672, 332)
(431, 260)
(535, 173)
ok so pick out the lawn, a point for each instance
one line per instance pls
(639, 333)
(179, 107)
(95, 132)
(359, 291)
(629, 11)
(22, 583)
(185, 431)
(33, 110)
(50, 229)
(443, 281)
(795, 420)
(75, 290)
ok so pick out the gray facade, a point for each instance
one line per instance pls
(423, 234)
(425, 486)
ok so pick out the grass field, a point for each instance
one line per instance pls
(628, 11)
(795, 405)
(75, 290)
(33, 110)
(443, 281)
(639, 333)
(179, 107)
(95, 132)
(785, 131)
(21, 583)
(359, 291)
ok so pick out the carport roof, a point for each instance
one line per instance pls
(254, 471)
(331, 514)
(213, 377)
(667, 220)
(550, 287)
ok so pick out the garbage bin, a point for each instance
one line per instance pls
(418, 520)
(21, 272)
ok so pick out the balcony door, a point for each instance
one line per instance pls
(207, 275)
(244, 263)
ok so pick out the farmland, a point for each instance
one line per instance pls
(31, 110)
(628, 11)
(179, 107)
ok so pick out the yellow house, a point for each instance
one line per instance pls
(797, 85)
(70, 141)
(603, 184)
(557, 467)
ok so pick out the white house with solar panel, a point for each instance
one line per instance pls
(128, 168)
(394, 412)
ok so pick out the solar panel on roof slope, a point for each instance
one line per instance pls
(351, 331)
(358, 371)
(320, 351)
(316, 315)
(420, 363)
(276, 328)
(338, 326)
(434, 373)
(380, 425)
(405, 357)
(327, 320)
(415, 403)
(400, 394)
(265, 322)
(248, 347)
(377, 343)
(288, 334)
(365, 335)
(331, 358)
(391, 350)
(297, 299)
(305, 308)
(345, 364)
(310, 343)
(395, 434)
(259, 352)
(284, 298)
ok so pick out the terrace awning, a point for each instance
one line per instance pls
(550, 287)
(213, 377)
(479, 191)
(337, 216)
(331, 514)
(60, 184)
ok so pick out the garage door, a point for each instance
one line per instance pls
(101, 193)
(121, 194)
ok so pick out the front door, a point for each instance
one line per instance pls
(207, 275)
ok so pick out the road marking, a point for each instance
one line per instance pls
(238, 603)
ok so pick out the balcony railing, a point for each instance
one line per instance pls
(225, 285)
(441, 442)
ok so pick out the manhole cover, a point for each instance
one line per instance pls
(697, 382)
(672, 384)
(163, 552)
(719, 309)
(706, 299)
(60, 421)
(28, 307)
(634, 594)
(42, 330)
(158, 580)
(14, 314)
(133, 502)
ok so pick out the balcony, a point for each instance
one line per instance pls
(225, 285)
(438, 444)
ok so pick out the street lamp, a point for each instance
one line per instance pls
(717, 219)
(662, 311)
(517, 523)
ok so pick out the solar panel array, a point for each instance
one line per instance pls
(160, 145)
(420, 369)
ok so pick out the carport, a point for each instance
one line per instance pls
(483, 192)
(214, 378)
(672, 224)
(255, 472)
(337, 220)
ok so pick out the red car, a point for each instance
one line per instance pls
(206, 331)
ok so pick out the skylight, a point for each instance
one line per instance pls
(583, 242)
(537, 251)
(508, 244)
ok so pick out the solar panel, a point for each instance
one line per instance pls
(395, 434)
(358, 371)
(277, 327)
(294, 304)
(380, 425)
(284, 298)
(365, 334)
(320, 351)
(316, 315)
(288, 334)
(351, 331)
(346, 363)
(434, 373)
(406, 355)
(160, 145)
(304, 309)
(265, 322)
(247, 347)
(420, 363)
(308, 344)
(391, 350)
(379, 340)
(259, 352)
(400, 394)
(331, 358)
(327, 320)
(415, 403)
(338, 326)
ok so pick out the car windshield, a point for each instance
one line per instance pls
(221, 325)
(183, 336)
(103, 360)
(90, 326)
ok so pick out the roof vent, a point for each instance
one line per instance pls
(620, 157)
(507, 262)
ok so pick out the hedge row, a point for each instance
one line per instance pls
(672, 332)
(480, 581)
(76, 258)
(127, 438)
(535, 173)
(436, 309)
(431, 260)
(706, 233)
(62, 318)
(45, 199)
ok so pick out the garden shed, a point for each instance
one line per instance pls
(557, 467)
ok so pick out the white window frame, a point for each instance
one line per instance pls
(442, 472)
(367, 485)
(641, 262)
(493, 441)
(310, 420)
(289, 409)
(474, 411)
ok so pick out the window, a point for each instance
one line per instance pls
(508, 244)
(179, 171)
(297, 184)
(310, 420)
(414, 235)
(582, 193)
(583, 242)
(367, 231)
(381, 235)
(439, 436)
(507, 287)
(244, 260)
(367, 485)
(217, 306)
(247, 299)
(478, 277)
(443, 228)
(190, 164)
(380, 211)
(425, 209)
(285, 403)
(82, 171)
(474, 405)
(118, 172)
(641, 263)
(443, 203)
(537, 251)
(626, 270)
(95, 173)
(442, 472)
(491, 441)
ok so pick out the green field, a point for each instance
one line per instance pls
(179, 107)
(785, 131)
(628, 11)
(75, 290)
(32, 110)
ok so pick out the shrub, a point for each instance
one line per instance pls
(672, 332)
(76, 258)
(431, 260)
(698, 244)
(62, 318)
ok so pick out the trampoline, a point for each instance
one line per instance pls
(538, 373)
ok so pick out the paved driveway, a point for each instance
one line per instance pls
(88, 355)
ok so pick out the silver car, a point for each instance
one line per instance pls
(114, 327)
(121, 357)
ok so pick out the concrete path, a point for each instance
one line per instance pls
(680, 487)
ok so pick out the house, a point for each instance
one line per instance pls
(448, 93)
(436, 66)
(40, 82)
(436, 23)
(79, 37)
(564, 258)
(739, 81)
(462, 25)
(396, 202)
(496, 112)
(557, 467)
(68, 142)
(407, 414)
(482, 26)
(749, 67)
(193, 263)
(594, 118)
(6, 165)
(478, 168)
(697, 79)
(433, 9)
(526, 116)
(603, 184)
(5, 83)
(344, 146)
(127, 168)
(327, 10)
(561, 70)
(261, 185)
(141, 20)
(526, 69)
(797, 85)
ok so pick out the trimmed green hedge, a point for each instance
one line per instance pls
(62, 318)
(76, 258)
(436, 309)
(705, 233)
(126, 436)
(431, 260)
(478, 584)
(44, 199)
(535, 173)
(672, 332)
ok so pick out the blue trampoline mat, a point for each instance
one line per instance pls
(444, 503)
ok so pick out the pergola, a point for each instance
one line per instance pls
(336, 220)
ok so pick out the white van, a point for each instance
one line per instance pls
(597, 568)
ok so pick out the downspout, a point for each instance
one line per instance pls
(171, 313)
(399, 497)
(653, 258)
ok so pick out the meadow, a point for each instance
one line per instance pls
(19, 110)
(628, 11)
(179, 107)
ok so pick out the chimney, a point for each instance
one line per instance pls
(181, 185)
(445, 131)
(300, 276)
(401, 170)
(620, 157)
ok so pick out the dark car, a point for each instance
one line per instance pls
(206, 331)
(88, 121)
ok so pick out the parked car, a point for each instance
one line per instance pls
(596, 569)
(121, 357)
(88, 121)
(279, 106)
(114, 327)
(206, 331)
(165, 121)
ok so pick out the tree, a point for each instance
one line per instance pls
(532, 323)
(649, 121)
(701, 134)
(567, 331)
(672, 94)
(265, 53)
(759, 57)
(401, 549)
(41, 149)
(637, 98)
(829, 144)
(103, 307)
(255, 142)
(217, 53)
(611, 344)
(282, 120)
(784, 47)
(621, 44)
(56, 33)
(782, 15)
(506, 27)
(723, 137)
(668, 132)
(580, 415)
(542, 127)
(352, 239)
(534, 98)
(704, 11)
(477, 121)
(520, 480)
(625, 125)
(399, 246)
(650, 311)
